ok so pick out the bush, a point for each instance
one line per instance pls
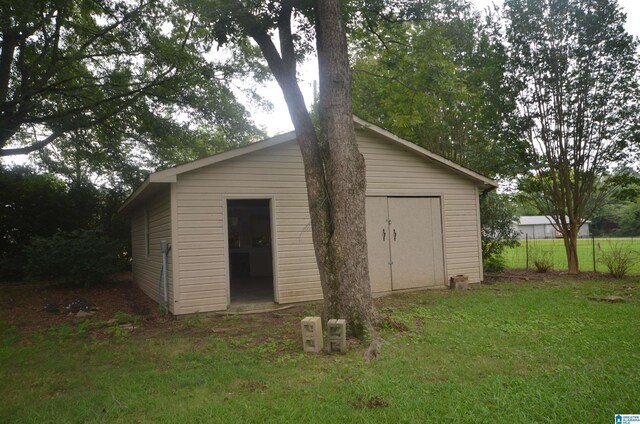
(497, 217)
(495, 264)
(542, 260)
(12, 268)
(617, 259)
(79, 258)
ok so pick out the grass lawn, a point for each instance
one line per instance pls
(509, 352)
(516, 257)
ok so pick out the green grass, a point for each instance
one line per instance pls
(510, 352)
(516, 257)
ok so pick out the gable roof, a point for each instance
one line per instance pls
(535, 220)
(421, 151)
(158, 180)
(539, 220)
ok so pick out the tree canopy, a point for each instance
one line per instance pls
(434, 74)
(115, 72)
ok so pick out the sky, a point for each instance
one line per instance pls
(277, 120)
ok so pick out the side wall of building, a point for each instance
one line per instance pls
(584, 231)
(152, 222)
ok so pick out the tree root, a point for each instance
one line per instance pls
(374, 349)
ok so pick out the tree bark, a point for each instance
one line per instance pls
(571, 247)
(347, 287)
(7, 50)
(334, 168)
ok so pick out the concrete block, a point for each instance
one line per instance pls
(337, 335)
(312, 340)
(459, 282)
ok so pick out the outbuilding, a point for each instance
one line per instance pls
(541, 227)
(237, 230)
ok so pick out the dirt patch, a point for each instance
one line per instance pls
(38, 306)
(252, 386)
(390, 323)
(520, 275)
(609, 299)
(118, 307)
(371, 402)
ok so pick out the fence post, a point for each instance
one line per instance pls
(526, 249)
(593, 248)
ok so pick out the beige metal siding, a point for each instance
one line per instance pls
(392, 171)
(146, 268)
(276, 173)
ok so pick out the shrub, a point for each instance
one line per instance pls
(79, 258)
(542, 259)
(12, 268)
(497, 217)
(494, 264)
(617, 259)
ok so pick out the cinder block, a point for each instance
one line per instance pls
(459, 282)
(312, 334)
(337, 335)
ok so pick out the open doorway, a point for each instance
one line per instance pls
(250, 250)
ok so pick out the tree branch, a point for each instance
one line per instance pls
(9, 44)
(32, 148)
(287, 49)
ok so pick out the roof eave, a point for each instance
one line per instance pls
(170, 175)
(142, 187)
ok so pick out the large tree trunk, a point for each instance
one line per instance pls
(571, 247)
(569, 230)
(334, 168)
(347, 288)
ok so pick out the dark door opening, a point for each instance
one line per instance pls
(250, 251)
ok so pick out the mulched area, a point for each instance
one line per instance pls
(33, 306)
(37, 306)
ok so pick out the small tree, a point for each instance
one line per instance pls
(497, 217)
(576, 71)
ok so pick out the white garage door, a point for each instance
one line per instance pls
(404, 237)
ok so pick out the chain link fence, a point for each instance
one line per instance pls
(592, 253)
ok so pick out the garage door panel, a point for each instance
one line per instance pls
(378, 244)
(416, 243)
